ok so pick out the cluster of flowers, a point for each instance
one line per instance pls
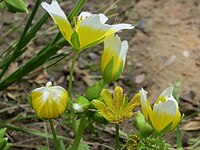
(91, 29)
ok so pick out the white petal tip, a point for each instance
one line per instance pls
(49, 83)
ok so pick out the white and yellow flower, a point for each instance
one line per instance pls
(165, 115)
(50, 101)
(113, 58)
(90, 29)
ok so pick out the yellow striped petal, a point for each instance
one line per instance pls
(59, 18)
(115, 107)
(50, 101)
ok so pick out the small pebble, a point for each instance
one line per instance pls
(139, 78)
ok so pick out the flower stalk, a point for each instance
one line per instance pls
(117, 137)
(79, 133)
(71, 73)
(54, 134)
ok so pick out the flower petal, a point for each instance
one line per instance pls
(163, 114)
(112, 48)
(118, 97)
(83, 15)
(166, 95)
(123, 51)
(146, 108)
(59, 18)
(121, 26)
(91, 30)
(118, 27)
(107, 97)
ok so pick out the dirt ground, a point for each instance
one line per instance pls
(164, 47)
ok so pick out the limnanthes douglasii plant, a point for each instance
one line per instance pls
(116, 108)
(51, 102)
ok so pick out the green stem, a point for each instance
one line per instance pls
(54, 134)
(117, 137)
(77, 8)
(161, 142)
(71, 73)
(79, 133)
(178, 138)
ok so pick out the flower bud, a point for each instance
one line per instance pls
(50, 101)
(113, 58)
(142, 126)
(81, 104)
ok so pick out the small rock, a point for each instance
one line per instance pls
(138, 65)
(139, 78)
(186, 53)
(170, 60)
(92, 56)
(141, 24)
(82, 63)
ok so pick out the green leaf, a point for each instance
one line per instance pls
(94, 91)
(62, 145)
(8, 145)
(2, 143)
(75, 40)
(2, 5)
(16, 6)
(2, 132)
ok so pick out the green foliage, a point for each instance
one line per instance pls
(142, 126)
(152, 143)
(81, 147)
(94, 91)
(4, 145)
(15, 6)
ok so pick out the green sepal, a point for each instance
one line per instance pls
(3, 143)
(107, 72)
(75, 40)
(2, 132)
(142, 126)
(16, 6)
(93, 92)
(119, 72)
